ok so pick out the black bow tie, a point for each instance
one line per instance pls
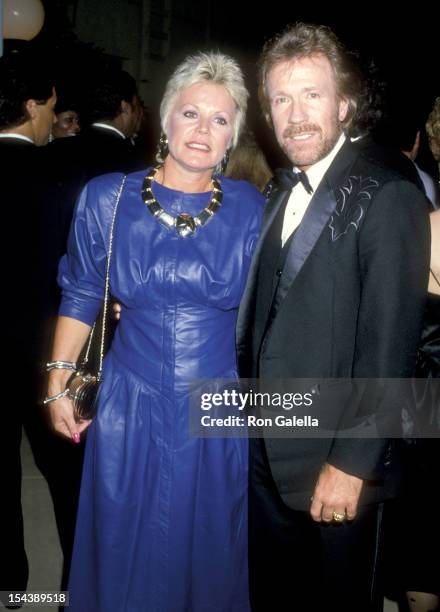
(288, 179)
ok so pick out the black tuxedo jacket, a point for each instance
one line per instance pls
(28, 247)
(348, 304)
(29, 254)
(390, 158)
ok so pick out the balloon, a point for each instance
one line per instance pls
(22, 19)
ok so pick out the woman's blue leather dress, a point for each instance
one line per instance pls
(162, 521)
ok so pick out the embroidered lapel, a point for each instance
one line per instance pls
(317, 216)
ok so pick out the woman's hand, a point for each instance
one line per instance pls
(63, 421)
(70, 336)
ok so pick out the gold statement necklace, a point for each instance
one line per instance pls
(184, 224)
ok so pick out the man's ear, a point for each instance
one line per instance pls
(126, 107)
(343, 109)
(31, 108)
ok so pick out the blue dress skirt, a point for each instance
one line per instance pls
(162, 520)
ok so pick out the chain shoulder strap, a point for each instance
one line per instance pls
(106, 290)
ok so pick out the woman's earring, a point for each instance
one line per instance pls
(162, 148)
(224, 162)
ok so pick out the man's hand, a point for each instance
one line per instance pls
(336, 492)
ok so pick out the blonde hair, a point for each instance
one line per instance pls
(212, 67)
(248, 162)
(433, 130)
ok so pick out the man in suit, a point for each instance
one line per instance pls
(27, 100)
(409, 140)
(116, 114)
(33, 240)
(367, 128)
(105, 145)
(333, 293)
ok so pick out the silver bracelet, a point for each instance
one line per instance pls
(61, 365)
(47, 400)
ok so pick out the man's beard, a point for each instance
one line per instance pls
(309, 155)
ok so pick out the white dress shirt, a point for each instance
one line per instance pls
(299, 199)
(431, 188)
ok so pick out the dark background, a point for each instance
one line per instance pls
(405, 45)
(403, 42)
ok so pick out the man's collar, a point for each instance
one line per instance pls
(316, 172)
(106, 126)
(16, 136)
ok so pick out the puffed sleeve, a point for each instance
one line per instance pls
(81, 274)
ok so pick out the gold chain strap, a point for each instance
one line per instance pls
(106, 291)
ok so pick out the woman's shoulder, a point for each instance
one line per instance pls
(106, 184)
(246, 192)
(103, 188)
(99, 197)
(105, 181)
(435, 224)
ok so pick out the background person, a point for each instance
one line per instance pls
(433, 131)
(247, 162)
(27, 101)
(114, 115)
(418, 542)
(413, 545)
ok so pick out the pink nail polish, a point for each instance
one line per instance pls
(76, 438)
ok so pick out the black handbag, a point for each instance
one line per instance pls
(83, 385)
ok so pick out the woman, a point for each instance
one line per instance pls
(414, 543)
(422, 538)
(67, 124)
(162, 516)
(67, 112)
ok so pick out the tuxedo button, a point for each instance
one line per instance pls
(279, 272)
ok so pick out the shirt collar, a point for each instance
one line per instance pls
(106, 126)
(16, 136)
(316, 172)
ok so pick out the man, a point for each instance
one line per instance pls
(105, 146)
(398, 142)
(410, 145)
(116, 114)
(333, 292)
(433, 130)
(367, 129)
(27, 100)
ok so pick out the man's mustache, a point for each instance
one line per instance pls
(296, 130)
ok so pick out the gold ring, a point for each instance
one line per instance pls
(338, 517)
